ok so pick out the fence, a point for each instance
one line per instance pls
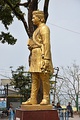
(63, 114)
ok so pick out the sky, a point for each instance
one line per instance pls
(64, 24)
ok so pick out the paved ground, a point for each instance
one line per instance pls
(76, 117)
(4, 118)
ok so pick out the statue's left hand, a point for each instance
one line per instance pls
(45, 65)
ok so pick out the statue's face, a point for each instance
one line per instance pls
(35, 20)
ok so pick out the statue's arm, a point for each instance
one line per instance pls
(46, 43)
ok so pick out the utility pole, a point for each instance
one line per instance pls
(56, 75)
(77, 98)
(7, 89)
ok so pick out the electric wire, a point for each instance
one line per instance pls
(64, 28)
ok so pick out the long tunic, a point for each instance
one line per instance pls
(41, 53)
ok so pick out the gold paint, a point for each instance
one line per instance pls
(40, 59)
(36, 107)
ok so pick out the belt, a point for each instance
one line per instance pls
(35, 46)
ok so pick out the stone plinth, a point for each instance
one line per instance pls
(36, 112)
(36, 107)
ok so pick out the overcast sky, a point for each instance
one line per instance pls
(64, 24)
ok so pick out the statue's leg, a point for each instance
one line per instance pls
(35, 87)
(34, 90)
(46, 88)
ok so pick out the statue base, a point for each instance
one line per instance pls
(36, 107)
(36, 112)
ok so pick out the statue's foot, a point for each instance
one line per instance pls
(44, 102)
(29, 102)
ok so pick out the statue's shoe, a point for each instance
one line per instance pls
(29, 102)
(44, 102)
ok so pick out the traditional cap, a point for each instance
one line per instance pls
(38, 12)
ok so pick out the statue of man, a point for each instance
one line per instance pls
(40, 60)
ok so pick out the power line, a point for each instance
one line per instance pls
(5, 76)
(64, 28)
(4, 70)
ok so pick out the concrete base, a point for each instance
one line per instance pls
(36, 107)
(36, 114)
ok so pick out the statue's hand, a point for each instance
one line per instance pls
(30, 43)
(29, 47)
(45, 66)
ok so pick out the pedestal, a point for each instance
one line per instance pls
(22, 114)
(36, 107)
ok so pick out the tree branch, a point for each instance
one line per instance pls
(20, 16)
(26, 4)
(32, 6)
(46, 4)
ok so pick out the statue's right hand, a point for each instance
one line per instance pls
(30, 42)
(29, 47)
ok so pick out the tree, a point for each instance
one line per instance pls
(66, 86)
(69, 86)
(22, 82)
(9, 9)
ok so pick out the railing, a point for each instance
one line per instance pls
(63, 114)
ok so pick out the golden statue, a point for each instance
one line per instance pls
(40, 60)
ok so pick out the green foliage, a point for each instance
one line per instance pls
(7, 37)
(22, 82)
(5, 16)
(7, 13)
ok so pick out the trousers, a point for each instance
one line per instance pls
(36, 77)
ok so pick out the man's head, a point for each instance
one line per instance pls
(39, 15)
(58, 104)
(53, 103)
(11, 105)
(69, 103)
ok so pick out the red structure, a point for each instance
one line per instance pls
(36, 115)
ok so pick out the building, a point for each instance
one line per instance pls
(8, 94)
